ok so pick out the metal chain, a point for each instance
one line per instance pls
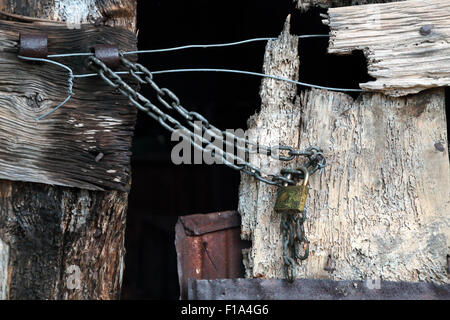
(191, 117)
(293, 232)
(293, 235)
(292, 225)
(169, 100)
(169, 122)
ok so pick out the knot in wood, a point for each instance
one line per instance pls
(33, 45)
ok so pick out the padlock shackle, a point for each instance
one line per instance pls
(305, 175)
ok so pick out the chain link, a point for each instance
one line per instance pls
(293, 235)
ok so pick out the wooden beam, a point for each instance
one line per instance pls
(86, 143)
(407, 44)
(60, 242)
(380, 208)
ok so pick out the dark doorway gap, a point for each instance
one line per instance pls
(319, 67)
(162, 191)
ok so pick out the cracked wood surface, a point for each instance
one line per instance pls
(401, 57)
(380, 208)
(62, 148)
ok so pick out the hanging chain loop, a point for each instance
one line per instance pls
(292, 227)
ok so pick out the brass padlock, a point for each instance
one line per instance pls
(292, 199)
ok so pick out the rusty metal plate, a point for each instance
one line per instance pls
(313, 289)
(209, 247)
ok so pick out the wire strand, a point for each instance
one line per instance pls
(229, 44)
(259, 75)
(72, 76)
(191, 46)
(70, 81)
(80, 54)
(304, 84)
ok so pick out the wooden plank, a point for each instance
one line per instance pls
(62, 148)
(307, 4)
(380, 208)
(401, 57)
(60, 242)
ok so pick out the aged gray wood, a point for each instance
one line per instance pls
(307, 4)
(61, 242)
(380, 209)
(401, 58)
(62, 149)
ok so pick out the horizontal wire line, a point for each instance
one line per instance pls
(87, 75)
(72, 76)
(233, 71)
(191, 46)
(217, 45)
(256, 74)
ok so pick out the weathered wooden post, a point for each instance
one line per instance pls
(381, 208)
(63, 238)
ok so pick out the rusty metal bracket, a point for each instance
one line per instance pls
(108, 54)
(33, 45)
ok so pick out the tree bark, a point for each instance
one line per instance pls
(380, 208)
(59, 242)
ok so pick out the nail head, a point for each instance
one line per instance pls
(426, 30)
